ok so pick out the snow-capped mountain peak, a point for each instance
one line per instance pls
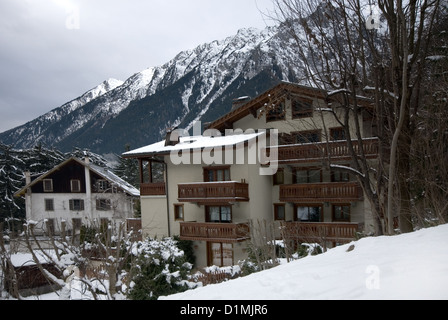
(197, 84)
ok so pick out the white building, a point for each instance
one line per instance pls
(215, 185)
(78, 193)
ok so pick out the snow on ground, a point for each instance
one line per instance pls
(409, 266)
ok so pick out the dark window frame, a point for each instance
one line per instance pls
(277, 215)
(179, 212)
(76, 204)
(208, 217)
(49, 204)
(214, 172)
(302, 108)
(342, 216)
(309, 205)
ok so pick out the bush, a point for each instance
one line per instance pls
(160, 269)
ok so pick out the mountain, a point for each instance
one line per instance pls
(41, 129)
(197, 84)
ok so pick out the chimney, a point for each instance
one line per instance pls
(86, 157)
(172, 137)
(27, 177)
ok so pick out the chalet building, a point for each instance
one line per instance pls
(267, 159)
(77, 192)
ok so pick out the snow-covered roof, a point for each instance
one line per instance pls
(193, 143)
(102, 172)
(113, 178)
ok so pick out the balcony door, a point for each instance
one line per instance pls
(219, 254)
(218, 214)
(308, 213)
(213, 174)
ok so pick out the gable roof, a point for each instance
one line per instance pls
(102, 172)
(274, 94)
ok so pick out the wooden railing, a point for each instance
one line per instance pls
(309, 152)
(321, 192)
(213, 191)
(153, 189)
(320, 231)
(221, 232)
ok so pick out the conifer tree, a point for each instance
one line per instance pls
(127, 169)
(11, 180)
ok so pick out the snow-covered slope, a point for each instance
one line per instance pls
(408, 266)
(196, 84)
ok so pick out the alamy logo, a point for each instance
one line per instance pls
(373, 19)
(72, 19)
(235, 147)
(373, 278)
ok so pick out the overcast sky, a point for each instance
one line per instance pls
(52, 51)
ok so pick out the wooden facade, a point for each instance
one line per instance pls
(208, 192)
(214, 232)
(320, 232)
(315, 152)
(321, 192)
(153, 189)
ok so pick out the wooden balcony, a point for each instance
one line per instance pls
(321, 192)
(206, 192)
(320, 232)
(214, 232)
(312, 152)
(153, 189)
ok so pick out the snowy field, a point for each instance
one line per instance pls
(409, 266)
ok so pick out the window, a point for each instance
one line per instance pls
(310, 213)
(307, 175)
(48, 185)
(102, 185)
(221, 214)
(341, 213)
(276, 112)
(76, 204)
(279, 177)
(103, 204)
(302, 108)
(219, 254)
(49, 204)
(217, 174)
(75, 185)
(337, 134)
(279, 211)
(179, 212)
(307, 136)
(340, 175)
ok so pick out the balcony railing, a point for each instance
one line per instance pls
(213, 192)
(217, 232)
(321, 192)
(311, 152)
(320, 231)
(153, 189)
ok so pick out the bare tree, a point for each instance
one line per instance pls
(262, 244)
(350, 56)
(97, 262)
